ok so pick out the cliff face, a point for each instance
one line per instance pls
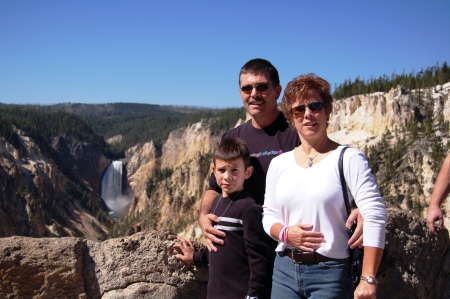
(186, 143)
(176, 199)
(43, 188)
(143, 266)
(84, 163)
(364, 121)
(142, 164)
(48, 191)
(360, 121)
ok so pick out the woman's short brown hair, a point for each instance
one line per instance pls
(300, 87)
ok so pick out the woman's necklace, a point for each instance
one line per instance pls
(231, 201)
(310, 162)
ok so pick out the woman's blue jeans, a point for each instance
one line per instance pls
(330, 279)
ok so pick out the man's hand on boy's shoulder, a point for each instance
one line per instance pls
(206, 222)
(185, 251)
(356, 239)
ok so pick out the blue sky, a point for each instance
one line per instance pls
(189, 52)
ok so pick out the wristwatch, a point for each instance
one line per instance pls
(369, 279)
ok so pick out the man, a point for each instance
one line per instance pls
(267, 135)
(440, 193)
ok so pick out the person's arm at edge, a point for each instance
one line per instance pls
(440, 193)
(371, 261)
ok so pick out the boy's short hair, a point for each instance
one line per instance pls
(232, 148)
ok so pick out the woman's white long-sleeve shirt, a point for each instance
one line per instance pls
(314, 196)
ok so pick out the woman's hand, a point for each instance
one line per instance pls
(301, 237)
(371, 261)
(365, 290)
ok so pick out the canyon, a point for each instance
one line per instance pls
(360, 121)
(54, 246)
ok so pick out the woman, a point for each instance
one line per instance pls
(303, 191)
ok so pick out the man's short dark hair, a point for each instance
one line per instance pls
(231, 149)
(259, 65)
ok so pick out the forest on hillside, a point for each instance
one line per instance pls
(425, 78)
(41, 126)
(428, 133)
(95, 123)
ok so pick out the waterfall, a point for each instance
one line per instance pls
(112, 188)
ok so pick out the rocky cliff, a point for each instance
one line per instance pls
(143, 266)
(375, 123)
(382, 124)
(51, 190)
(361, 120)
(174, 202)
(143, 162)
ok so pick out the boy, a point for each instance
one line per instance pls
(242, 267)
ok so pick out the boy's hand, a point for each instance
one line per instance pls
(211, 234)
(185, 251)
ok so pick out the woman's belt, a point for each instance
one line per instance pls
(300, 257)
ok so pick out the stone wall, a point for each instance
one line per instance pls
(143, 266)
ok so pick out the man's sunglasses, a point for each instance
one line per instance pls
(300, 110)
(260, 87)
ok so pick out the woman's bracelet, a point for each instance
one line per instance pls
(283, 236)
(286, 240)
(280, 236)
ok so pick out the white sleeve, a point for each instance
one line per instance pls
(364, 189)
(271, 212)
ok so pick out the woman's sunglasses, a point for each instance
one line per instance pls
(300, 110)
(260, 87)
